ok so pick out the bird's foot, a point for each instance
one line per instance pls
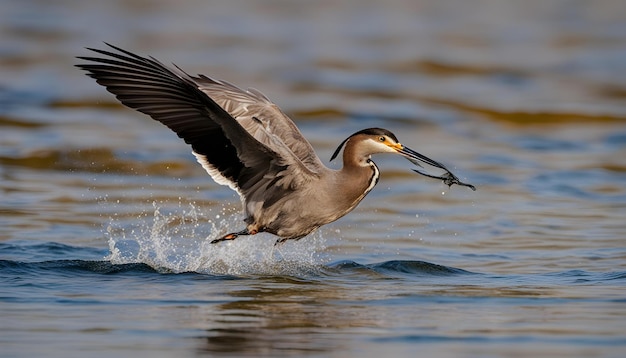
(234, 235)
(231, 236)
(280, 241)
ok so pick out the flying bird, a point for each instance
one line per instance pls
(243, 140)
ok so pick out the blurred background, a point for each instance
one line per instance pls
(524, 99)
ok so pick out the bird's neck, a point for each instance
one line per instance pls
(359, 175)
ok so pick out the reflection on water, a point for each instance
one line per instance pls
(263, 317)
(105, 216)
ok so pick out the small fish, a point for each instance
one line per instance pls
(448, 179)
(447, 176)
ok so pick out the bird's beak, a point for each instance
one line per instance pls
(429, 167)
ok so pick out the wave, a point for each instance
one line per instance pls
(403, 267)
(249, 259)
(290, 269)
(72, 266)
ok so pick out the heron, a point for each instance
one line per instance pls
(245, 141)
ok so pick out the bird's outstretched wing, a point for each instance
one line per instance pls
(250, 156)
(263, 119)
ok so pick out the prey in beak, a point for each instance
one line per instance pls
(430, 168)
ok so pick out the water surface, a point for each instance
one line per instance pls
(105, 217)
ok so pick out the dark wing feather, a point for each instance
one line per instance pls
(171, 97)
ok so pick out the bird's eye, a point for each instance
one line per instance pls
(382, 139)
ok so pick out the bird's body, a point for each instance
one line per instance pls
(245, 141)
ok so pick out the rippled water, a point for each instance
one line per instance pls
(105, 217)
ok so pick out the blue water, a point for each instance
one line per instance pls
(106, 218)
(86, 304)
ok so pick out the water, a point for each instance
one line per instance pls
(105, 217)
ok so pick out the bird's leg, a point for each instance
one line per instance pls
(234, 235)
(280, 241)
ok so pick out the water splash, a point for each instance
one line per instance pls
(180, 242)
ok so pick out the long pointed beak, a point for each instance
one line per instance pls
(429, 167)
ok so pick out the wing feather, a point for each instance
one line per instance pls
(261, 118)
(240, 153)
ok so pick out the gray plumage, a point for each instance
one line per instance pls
(245, 141)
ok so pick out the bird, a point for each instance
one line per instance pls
(245, 141)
